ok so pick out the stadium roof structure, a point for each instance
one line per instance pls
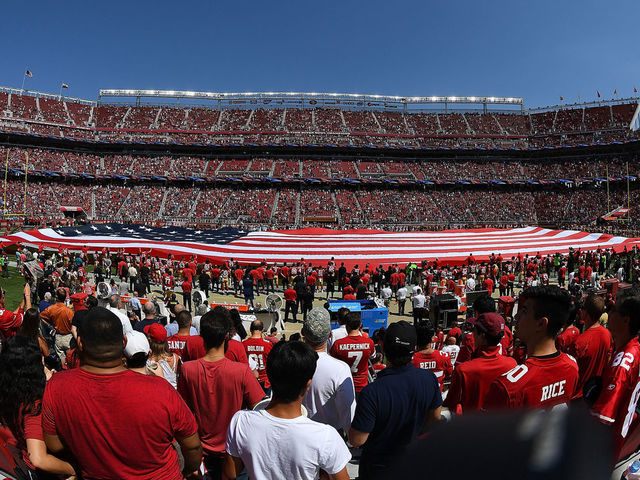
(312, 100)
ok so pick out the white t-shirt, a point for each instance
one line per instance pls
(418, 301)
(126, 323)
(401, 294)
(336, 335)
(471, 285)
(386, 293)
(282, 448)
(331, 399)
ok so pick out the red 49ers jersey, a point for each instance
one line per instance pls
(258, 350)
(616, 404)
(566, 339)
(437, 361)
(540, 382)
(355, 352)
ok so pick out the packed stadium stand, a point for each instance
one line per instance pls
(278, 163)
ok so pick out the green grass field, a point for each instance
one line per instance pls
(14, 286)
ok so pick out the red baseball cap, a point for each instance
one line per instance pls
(77, 299)
(491, 323)
(156, 332)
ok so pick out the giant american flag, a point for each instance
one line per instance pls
(318, 245)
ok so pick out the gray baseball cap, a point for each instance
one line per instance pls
(317, 326)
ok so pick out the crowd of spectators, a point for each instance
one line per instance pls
(92, 388)
(325, 126)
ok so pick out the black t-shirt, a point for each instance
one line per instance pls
(144, 272)
(392, 410)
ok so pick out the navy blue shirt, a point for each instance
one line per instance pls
(247, 287)
(393, 410)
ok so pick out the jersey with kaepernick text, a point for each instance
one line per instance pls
(438, 362)
(540, 382)
(258, 349)
(616, 404)
(355, 352)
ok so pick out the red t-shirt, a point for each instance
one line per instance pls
(290, 295)
(438, 362)
(349, 296)
(284, 272)
(178, 344)
(10, 322)
(120, 424)
(504, 281)
(195, 349)
(355, 352)
(269, 274)
(566, 339)
(487, 284)
(616, 404)
(592, 350)
(187, 274)
(215, 391)
(311, 280)
(470, 381)
(540, 382)
(258, 349)
(32, 429)
(238, 273)
(215, 273)
(187, 286)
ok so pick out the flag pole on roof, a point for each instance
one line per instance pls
(27, 73)
(64, 85)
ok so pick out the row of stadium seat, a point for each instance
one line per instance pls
(287, 207)
(72, 162)
(323, 126)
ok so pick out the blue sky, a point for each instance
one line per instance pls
(537, 50)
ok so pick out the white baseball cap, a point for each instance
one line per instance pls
(136, 342)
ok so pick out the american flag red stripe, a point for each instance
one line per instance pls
(348, 246)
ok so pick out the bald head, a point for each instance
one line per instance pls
(114, 301)
(149, 309)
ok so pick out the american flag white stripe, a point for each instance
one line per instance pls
(349, 246)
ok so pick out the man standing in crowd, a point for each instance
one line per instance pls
(592, 348)
(149, 310)
(355, 350)
(303, 447)
(215, 388)
(341, 331)
(60, 317)
(471, 380)
(393, 410)
(290, 297)
(128, 436)
(178, 342)
(331, 398)
(418, 302)
(401, 298)
(114, 306)
(427, 357)
(618, 399)
(548, 377)
(258, 349)
(187, 287)
(567, 338)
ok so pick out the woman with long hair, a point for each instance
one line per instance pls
(22, 382)
(31, 328)
(161, 362)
